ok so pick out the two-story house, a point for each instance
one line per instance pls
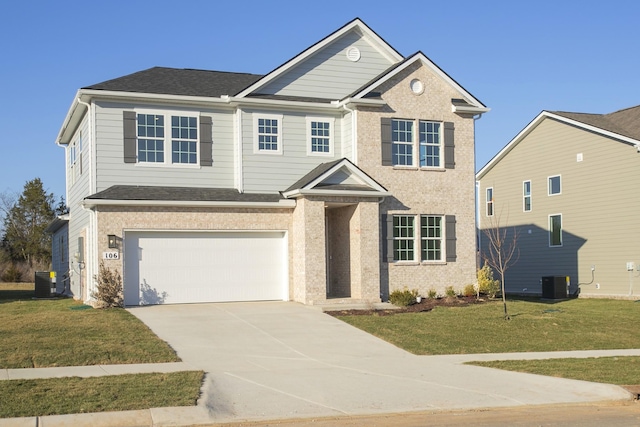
(341, 175)
(564, 184)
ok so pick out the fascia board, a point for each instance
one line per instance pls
(355, 24)
(469, 110)
(252, 102)
(535, 122)
(427, 62)
(283, 204)
(67, 120)
(356, 171)
(336, 193)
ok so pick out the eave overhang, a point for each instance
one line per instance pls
(282, 204)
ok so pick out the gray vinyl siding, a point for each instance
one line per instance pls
(597, 203)
(112, 170)
(329, 73)
(60, 255)
(276, 172)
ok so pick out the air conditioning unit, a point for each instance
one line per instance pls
(554, 287)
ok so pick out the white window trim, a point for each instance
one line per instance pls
(256, 117)
(331, 122)
(487, 202)
(524, 197)
(440, 145)
(167, 139)
(417, 240)
(549, 185)
(442, 239)
(561, 230)
(412, 144)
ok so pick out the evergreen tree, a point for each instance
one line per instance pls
(24, 236)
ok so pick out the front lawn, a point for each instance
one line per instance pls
(63, 332)
(73, 395)
(579, 324)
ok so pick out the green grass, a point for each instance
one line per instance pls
(72, 395)
(44, 333)
(579, 324)
(611, 370)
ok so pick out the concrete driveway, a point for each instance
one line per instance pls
(283, 360)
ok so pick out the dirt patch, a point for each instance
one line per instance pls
(427, 304)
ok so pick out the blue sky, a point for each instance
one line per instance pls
(518, 58)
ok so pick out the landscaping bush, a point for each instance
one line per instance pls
(109, 290)
(12, 274)
(432, 294)
(449, 292)
(469, 290)
(403, 298)
(486, 284)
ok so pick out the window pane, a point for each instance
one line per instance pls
(402, 139)
(555, 230)
(554, 185)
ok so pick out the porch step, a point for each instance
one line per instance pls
(350, 304)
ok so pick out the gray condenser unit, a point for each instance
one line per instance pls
(45, 284)
(554, 287)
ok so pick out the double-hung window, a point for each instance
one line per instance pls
(319, 136)
(158, 133)
(429, 144)
(526, 196)
(267, 133)
(402, 142)
(489, 201)
(408, 235)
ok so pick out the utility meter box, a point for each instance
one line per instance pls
(554, 287)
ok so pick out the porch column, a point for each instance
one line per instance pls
(309, 263)
(365, 253)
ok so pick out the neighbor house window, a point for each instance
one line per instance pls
(403, 238)
(490, 201)
(267, 134)
(319, 140)
(184, 139)
(429, 144)
(150, 138)
(431, 238)
(526, 196)
(555, 230)
(402, 142)
(554, 185)
(158, 133)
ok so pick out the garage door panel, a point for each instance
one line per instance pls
(179, 267)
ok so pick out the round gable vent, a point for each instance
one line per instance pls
(416, 86)
(353, 54)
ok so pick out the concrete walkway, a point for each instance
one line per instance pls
(284, 360)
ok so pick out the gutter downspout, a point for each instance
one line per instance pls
(476, 196)
(354, 133)
(239, 154)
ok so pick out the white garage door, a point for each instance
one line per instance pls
(189, 267)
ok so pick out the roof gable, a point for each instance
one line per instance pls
(332, 59)
(622, 125)
(337, 178)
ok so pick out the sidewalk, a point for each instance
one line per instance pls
(201, 415)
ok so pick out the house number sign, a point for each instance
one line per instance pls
(110, 255)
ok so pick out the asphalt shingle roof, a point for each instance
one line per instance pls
(177, 81)
(624, 122)
(181, 194)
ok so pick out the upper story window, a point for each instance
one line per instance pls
(402, 139)
(152, 132)
(319, 136)
(489, 201)
(429, 144)
(554, 185)
(526, 196)
(267, 132)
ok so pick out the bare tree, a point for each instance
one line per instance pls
(502, 251)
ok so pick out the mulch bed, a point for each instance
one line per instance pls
(427, 304)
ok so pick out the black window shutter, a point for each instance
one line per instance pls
(385, 125)
(449, 144)
(383, 237)
(450, 232)
(130, 136)
(206, 141)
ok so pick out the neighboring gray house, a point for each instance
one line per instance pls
(343, 174)
(59, 230)
(565, 182)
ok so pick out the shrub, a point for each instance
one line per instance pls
(449, 292)
(469, 290)
(432, 294)
(109, 289)
(12, 274)
(403, 298)
(486, 284)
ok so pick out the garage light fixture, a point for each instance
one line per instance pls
(111, 238)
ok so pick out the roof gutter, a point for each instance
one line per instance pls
(468, 109)
(340, 193)
(282, 204)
